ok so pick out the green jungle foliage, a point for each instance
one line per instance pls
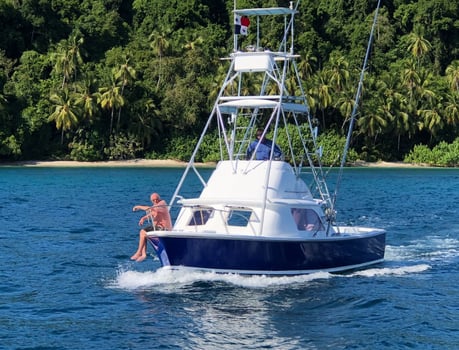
(119, 79)
(443, 154)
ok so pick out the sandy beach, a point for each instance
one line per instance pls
(158, 163)
(169, 163)
(382, 164)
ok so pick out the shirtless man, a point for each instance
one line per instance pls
(161, 221)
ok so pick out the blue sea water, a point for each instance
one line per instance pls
(66, 235)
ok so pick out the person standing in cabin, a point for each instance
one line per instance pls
(263, 147)
(306, 220)
(160, 219)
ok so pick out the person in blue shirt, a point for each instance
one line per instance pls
(263, 148)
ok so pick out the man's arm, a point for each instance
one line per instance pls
(141, 207)
(150, 214)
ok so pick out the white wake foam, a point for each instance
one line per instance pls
(392, 271)
(427, 249)
(168, 280)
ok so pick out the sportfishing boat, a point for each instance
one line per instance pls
(259, 216)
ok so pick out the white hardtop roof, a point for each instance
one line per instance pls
(210, 202)
(228, 107)
(250, 103)
(269, 11)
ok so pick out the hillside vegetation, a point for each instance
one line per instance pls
(120, 79)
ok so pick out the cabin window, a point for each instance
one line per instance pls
(200, 217)
(238, 217)
(306, 219)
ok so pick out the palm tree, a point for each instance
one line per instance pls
(373, 123)
(428, 103)
(125, 74)
(110, 98)
(68, 58)
(160, 46)
(431, 119)
(392, 105)
(452, 110)
(427, 86)
(338, 72)
(321, 92)
(194, 44)
(86, 99)
(146, 123)
(305, 68)
(410, 78)
(3, 101)
(399, 119)
(216, 83)
(452, 74)
(65, 112)
(74, 53)
(345, 104)
(374, 118)
(63, 64)
(417, 44)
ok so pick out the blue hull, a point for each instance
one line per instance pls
(261, 256)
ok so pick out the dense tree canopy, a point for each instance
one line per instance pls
(117, 79)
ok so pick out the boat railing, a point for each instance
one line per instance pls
(151, 220)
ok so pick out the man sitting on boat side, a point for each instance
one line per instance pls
(161, 220)
(263, 148)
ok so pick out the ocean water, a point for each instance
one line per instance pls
(66, 235)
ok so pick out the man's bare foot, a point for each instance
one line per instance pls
(141, 258)
(135, 256)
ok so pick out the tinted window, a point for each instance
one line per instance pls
(238, 217)
(306, 219)
(200, 217)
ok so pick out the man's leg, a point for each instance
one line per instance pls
(142, 246)
(141, 252)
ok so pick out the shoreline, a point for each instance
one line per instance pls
(170, 163)
(383, 164)
(153, 163)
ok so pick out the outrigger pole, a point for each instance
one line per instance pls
(356, 105)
